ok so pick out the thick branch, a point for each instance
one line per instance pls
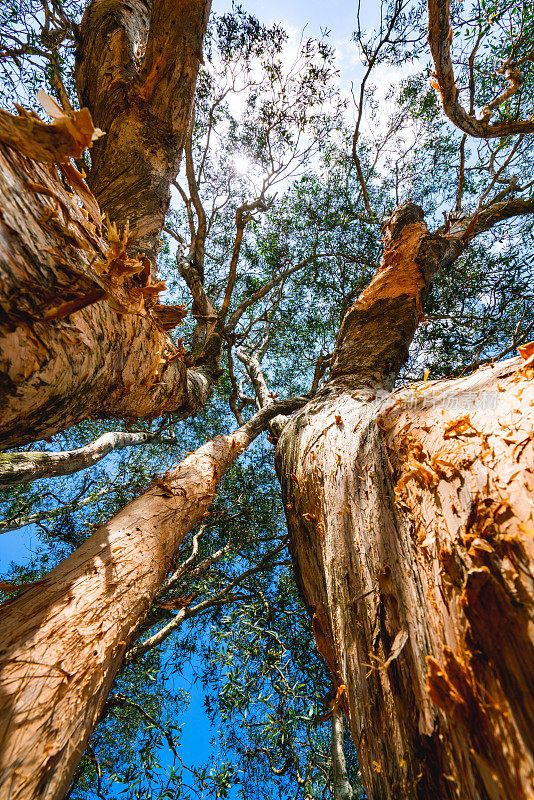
(489, 216)
(81, 334)
(377, 330)
(64, 638)
(145, 112)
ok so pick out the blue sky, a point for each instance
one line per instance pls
(339, 16)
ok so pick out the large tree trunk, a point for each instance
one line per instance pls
(411, 522)
(63, 638)
(82, 334)
(79, 337)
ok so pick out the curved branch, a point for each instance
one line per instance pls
(466, 228)
(439, 37)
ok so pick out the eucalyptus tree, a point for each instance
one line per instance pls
(408, 509)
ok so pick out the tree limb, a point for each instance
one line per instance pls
(14, 523)
(30, 465)
(439, 37)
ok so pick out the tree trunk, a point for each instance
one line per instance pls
(80, 334)
(63, 638)
(144, 107)
(411, 522)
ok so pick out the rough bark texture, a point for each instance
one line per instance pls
(136, 70)
(412, 537)
(412, 526)
(80, 333)
(377, 330)
(63, 638)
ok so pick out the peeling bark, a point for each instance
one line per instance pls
(412, 256)
(82, 334)
(80, 331)
(136, 71)
(412, 537)
(64, 637)
(412, 527)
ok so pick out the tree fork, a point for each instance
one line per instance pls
(411, 523)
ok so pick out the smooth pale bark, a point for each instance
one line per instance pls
(411, 520)
(63, 638)
(32, 465)
(80, 333)
(342, 790)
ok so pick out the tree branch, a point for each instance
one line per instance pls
(14, 523)
(439, 37)
(192, 611)
(129, 176)
(29, 465)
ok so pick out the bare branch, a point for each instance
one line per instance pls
(193, 611)
(30, 465)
